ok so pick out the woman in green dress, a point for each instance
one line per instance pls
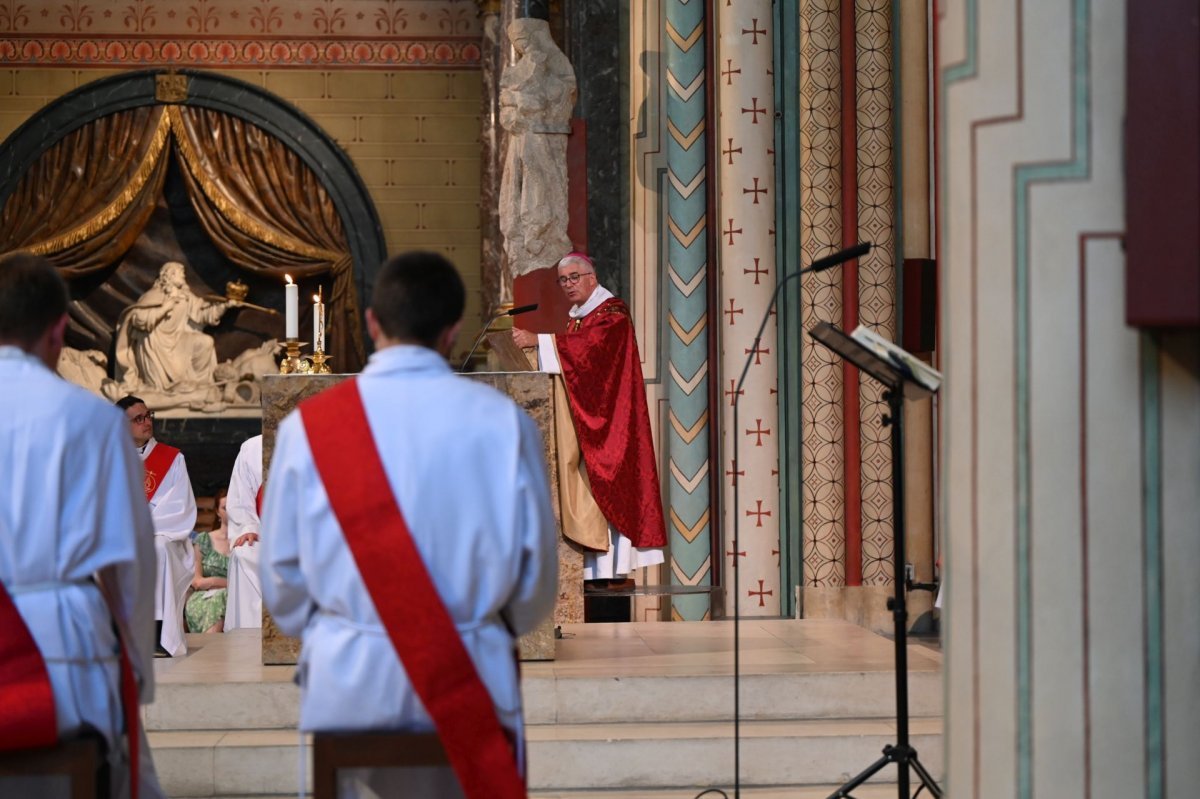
(205, 608)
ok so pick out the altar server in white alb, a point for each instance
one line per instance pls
(410, 493)
(172, 504)
(75, 548)
(244, 504)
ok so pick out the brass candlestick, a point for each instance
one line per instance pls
(292, 363)
(320, 363)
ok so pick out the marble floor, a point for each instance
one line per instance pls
(775, 646)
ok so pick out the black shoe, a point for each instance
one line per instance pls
(159, 650)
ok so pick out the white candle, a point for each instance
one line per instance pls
(292, 306)
(318, 324)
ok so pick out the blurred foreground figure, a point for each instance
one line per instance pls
(76, 549)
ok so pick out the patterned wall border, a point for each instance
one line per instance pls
(240, 53)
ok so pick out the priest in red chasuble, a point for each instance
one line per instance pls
(608, 478)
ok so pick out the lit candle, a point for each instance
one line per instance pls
(292, 306)
(318, 322)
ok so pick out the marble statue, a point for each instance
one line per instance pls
(87, 368)
(160, 340)
(537, 95)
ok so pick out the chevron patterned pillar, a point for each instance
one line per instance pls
(746, 177)
(687, 308)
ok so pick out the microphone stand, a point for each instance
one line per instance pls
(819, 265)
(483, 331)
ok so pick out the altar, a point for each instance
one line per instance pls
(533, 392)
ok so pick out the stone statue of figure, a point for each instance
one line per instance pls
(160, 343)
(537, 95)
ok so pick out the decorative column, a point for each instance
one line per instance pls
(492, 47)
(746, 174)
(847, 188)
(1071, 461)
(686, 285)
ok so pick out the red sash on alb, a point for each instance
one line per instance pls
(156, 465)
(27, 717)
(417, 622)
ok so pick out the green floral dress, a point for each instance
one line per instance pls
(206, 608)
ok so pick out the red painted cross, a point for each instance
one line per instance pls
(759, 432)
(758, 513)
(729, 553)
(771, 152)
(731, 393)
(754, 110)
(758, 353)
(754, 30)
(760, 593)
(729, 231)
(730, 150)
(775, 552)
(733, 472)
(729, 72)
(731, 311)
(755, 191)
(755, 271)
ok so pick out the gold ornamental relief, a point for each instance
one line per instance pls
(170, 87)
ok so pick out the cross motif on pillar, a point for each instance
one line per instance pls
(759, 432)
(734, 472)
(758, 353)
(731, 311)
(760, 593)
(755, 191)
(731, 393)
(754, 30)
(730, 150)
(730, 553)
(758, 514)
(775, 552)
(729, 72)
(729, 231)
(754, 110)
(755, 271)
(771, 152)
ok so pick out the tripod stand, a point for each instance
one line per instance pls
(899, 382)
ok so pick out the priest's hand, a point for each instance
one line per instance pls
(523, 338)
(246, 538)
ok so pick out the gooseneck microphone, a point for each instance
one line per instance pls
(520, 309)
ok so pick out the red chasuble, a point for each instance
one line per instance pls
(156, 465)
(603, 375)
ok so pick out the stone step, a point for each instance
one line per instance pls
(874, 790)
(557, 699)
(634, 757)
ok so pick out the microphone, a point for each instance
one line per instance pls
(520, 309)
(838, 258)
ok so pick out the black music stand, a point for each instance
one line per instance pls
(901, 384)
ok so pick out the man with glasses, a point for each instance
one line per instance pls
(608, 476)
(173, 510)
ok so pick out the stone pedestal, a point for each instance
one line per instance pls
(533, 391)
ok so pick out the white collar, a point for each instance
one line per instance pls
(599, 295)
(407, 357)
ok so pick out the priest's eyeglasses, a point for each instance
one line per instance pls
(148, 416)
(572, 278)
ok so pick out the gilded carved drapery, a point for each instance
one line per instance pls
(84, 202)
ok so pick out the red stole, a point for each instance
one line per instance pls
(418, 624)
(602, 371)
(156, 465)
(27, 718)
